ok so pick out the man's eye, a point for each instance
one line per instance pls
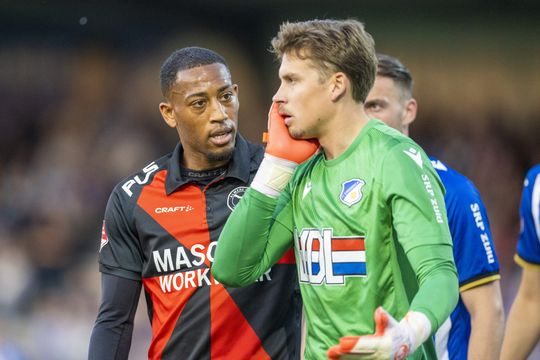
(229, 96)
(374, 107)
(199, 104)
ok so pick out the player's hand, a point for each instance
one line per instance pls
(282, 156)
(392, 340)
(280, 143)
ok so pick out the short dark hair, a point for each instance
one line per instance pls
(183, 59)
(391, 67)
(333, 45)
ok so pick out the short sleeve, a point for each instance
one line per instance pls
(474, 251)
(120, 251)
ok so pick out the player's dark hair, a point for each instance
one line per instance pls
(184, 59)
(333, 45)
(392, 68)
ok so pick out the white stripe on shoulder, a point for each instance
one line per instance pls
(535, 205)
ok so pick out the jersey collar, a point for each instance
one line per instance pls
(239, 166)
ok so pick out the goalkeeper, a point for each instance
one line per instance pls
(366, 214)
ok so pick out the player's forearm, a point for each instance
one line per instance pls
(111, 336)
(438, 293)
(110, 342)
(245, 248)
(484, 304)
(486, 337)
(522, 329)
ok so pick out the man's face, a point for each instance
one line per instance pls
(302, 97)
(387, 102)
(203, 107)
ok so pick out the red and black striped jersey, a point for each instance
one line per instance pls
(161, 228)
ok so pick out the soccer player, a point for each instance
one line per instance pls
(161, 227)
(523, 326)
(366, 214)
(474, 330)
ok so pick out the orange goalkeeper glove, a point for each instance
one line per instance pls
(392, 340)
(283, 154)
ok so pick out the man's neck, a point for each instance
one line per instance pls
(342, 129)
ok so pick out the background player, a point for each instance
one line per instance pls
(161, 228)
(475, 328)
(366, 214)
(523, 326)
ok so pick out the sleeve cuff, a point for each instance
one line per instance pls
(526, 264)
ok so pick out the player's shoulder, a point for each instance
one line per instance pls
(532, 174)
(449, 175)
(385, 139)
(454, 182)
(129, 187)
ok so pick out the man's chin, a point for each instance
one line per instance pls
(297, 133)
(222, 155)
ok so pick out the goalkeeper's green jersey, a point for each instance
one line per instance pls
(368, 228)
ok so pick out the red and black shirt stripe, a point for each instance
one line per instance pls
(161, 228)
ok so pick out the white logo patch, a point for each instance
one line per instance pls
(235, 196)
(415, 155)
(439, 165)
(307, 189)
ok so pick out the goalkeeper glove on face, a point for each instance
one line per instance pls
(283, 154)
(392, 340)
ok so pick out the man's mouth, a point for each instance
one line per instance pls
(221, 137)
(286, 117)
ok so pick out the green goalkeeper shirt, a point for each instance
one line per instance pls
(369, 229)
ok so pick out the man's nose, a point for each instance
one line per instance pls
(279, 96)
(218, 111)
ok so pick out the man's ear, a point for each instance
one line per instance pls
(339, 84)
(167, 112)
(411, 107)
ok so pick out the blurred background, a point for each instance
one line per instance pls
(79, 94)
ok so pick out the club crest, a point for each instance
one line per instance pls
(351, 191)
(235, 196)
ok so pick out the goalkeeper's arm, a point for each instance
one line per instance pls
(251, 240)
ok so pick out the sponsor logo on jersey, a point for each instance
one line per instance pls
(188, 267)
(172, 209)
(415, 155)
(235, 196)
(147, 170)
(484, 237)
(351, 191)
(328, 259)
(307, 189)
(104, 238)
(433, 199)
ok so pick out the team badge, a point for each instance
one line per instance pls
(235, 196)
(104, 238)
(351, 191)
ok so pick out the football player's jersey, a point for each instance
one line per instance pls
(474, 255)
(528, 247)
(354, 218)
(162, 230)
